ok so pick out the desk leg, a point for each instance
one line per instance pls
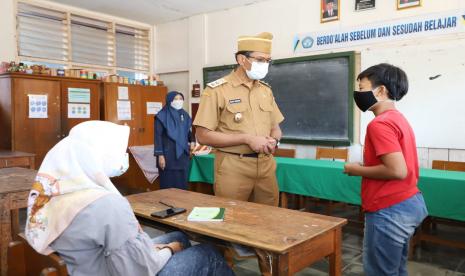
(15, 224)
(284, 200)
(280, 265)
(32, 164)
(335, 259)
(5, 232)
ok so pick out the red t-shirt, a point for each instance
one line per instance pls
(389, 132)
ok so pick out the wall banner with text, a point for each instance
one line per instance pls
(406, 28)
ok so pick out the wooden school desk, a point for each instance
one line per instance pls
(15, 184)
(293, 239)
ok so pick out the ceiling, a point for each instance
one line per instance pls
(155, 11)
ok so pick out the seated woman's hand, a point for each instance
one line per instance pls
(159, 246)
(174, 246)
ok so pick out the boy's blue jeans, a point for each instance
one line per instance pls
(387, 235)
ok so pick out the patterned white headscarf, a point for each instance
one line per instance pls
(74, 173)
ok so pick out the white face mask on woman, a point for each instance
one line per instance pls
(118, 168)
(177, 104)
(258, 70)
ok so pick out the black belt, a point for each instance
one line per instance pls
(252, 155)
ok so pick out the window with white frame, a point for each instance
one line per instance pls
(132, 48)
(80, 41)
(92, 41)
(42, 33)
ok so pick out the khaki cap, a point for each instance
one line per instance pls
(257, 43)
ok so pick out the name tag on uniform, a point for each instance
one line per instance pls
(235, 101)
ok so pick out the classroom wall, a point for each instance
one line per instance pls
(7, 30)
(178, 81)
(211, 41)
(171, 52)
(183, 47)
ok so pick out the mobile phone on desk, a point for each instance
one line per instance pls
(168, 212)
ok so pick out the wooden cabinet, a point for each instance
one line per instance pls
(141, 124)
(94, 87)
(39, 135)
(35, 135)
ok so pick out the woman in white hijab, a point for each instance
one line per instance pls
(75, 210)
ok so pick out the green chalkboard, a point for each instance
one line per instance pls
(314, 94)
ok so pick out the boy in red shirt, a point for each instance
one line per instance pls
(393, 204)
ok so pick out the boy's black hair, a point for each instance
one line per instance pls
(245, 53)
(392, 77)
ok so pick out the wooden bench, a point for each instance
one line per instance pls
(424, 233)
(23, 260)
(284, 197)
(334, 154)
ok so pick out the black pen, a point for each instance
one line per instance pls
(161, 202)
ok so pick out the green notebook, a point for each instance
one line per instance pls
(206, 214)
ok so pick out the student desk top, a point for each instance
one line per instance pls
(293, 239)
(15, 184)
(444, 191)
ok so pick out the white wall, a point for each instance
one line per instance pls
(7, 30)
(211, 41)
(178, 81)
(171, 51)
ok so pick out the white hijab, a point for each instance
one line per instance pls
(74, 173)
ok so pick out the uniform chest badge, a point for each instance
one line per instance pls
(235, 101)
(238, 117)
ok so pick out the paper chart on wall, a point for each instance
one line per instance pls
(38, 106)
(123, 110)
(123, 93)
(78, 95)
(153, 107)
(78, 111)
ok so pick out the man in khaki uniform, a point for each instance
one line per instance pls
(239, 116)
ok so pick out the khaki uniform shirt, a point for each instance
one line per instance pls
(229, 106)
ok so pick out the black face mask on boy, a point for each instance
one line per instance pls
(364, 100)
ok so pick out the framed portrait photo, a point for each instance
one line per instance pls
(405, 4)
(361, 5)
(329, 10)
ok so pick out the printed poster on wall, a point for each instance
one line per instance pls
(123, 110)
(78, 95)
(153, 107)
(123, 93)
(38, 106)
(78, 111)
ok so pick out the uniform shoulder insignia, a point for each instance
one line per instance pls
(217, 83)
(266, 84)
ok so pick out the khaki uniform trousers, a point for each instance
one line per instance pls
(246, 178)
